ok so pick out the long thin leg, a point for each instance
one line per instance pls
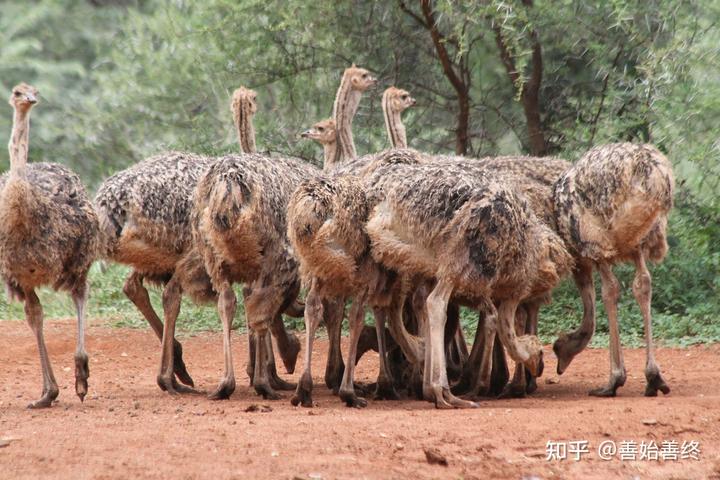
(525, 349)
(172, 295)
(138, 295)
(642, 289)
(227, 303)
(531, 328)
(454, 355)
(437, 388)
(516, 388)
(385, 389)
(261, 380)
(568, 345)
(334, 311)
(34, 317)
(356, 319)
(276, 382)
(314, 312)
(288, 344)
(469, 375)
(610, 294)
(82, 368)
(487, 330)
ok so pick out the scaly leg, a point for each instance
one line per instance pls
(82, 368)
(610, 294)
(435, 385)
(356, 319)
(525, 349)
(385, 389)
(568, 345)
(227, 304)
(642, 289)
(314, 312)
(516, 388)
(34, 317)
(288, 344)
(138, 295)
(334, 312)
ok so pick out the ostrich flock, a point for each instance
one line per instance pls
(410, 235)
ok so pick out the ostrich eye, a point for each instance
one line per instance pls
(404, 97)
(321, 129)
(16, 93)
(364, 75)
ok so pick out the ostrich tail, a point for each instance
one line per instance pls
(225, 199)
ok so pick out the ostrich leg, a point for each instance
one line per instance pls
(34, 317)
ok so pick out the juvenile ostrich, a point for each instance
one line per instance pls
(239, 222)
(48, 236)
(475, 237)
(612, 207)
(324, 215)
(244, 107)
(144, 214)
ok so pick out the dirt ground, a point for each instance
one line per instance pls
(128, 428)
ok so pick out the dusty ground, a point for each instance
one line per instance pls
(128, 428)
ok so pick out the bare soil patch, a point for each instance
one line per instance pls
(128, 428)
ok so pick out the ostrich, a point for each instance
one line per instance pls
(240, 227)
(244, 107)
(612, 207)
(323, 216)
(144, 214)
(48, 236)
(477, 239)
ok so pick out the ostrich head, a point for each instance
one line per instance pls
(398, 99)
(244, 96)
(23, 97)
(322, 132)
(360, 79)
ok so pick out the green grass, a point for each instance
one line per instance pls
(686, 295)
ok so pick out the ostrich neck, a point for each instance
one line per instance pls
(19, 141)
(344, 109)
(394, 126)
(245, 129)
(331, 155)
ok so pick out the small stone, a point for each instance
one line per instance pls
(649, 421)
(315, 476)
(136, 405)
(274, 454)
(434, 457)
(253, 407)
(66, 369)
(123, 354)
(552, 380)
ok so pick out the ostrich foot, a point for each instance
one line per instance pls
(45, 401)
(610, 390)
(513, 390)
(655, 382)
(351, 399)
(289, 355)
(267, 392)
(82, 373)
(224, 389)
(385, 390)
(445, 400)
(171, 386)
(531, 383)
(333, 376)
(278, 383)
(303, 393)
(179, 365)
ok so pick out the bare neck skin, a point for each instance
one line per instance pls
(331, 155)
(393, 125)
(344, 109)
(245, 129)
(19, 142)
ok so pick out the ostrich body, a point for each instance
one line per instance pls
(48, 236)
(612, 207)
(239, 224)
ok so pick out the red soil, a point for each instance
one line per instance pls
(128, 428)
